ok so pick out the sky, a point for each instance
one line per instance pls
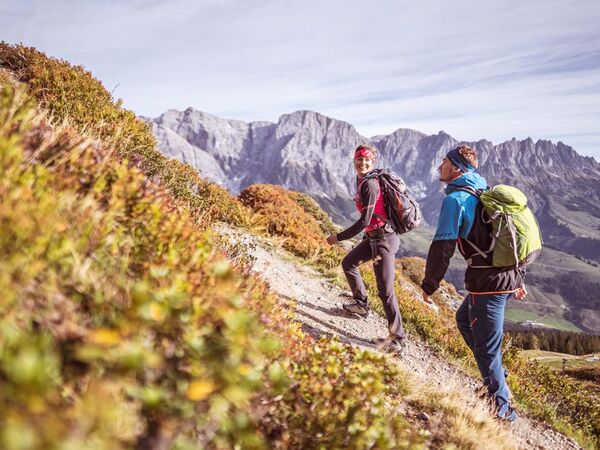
(493, 69)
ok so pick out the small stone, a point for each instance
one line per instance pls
(423, 416)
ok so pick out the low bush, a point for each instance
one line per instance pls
(114, 297)
(71, 93)
(282, 216)
(312, 208)
(337, 384)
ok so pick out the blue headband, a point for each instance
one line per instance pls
(459, 161)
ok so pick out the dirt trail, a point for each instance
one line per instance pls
(319, 309)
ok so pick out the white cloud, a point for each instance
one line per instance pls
(492, 70)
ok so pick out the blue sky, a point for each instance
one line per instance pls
(475, 69)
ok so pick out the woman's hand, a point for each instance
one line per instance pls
(332, 239)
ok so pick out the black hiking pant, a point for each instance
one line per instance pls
(384, 250)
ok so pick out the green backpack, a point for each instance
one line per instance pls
(516, 237)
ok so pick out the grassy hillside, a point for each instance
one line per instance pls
(585, 368)
(123, 326)
(550, 320)
(113, 296)
(554, 360)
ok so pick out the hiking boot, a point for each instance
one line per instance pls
(509, 417)
(483, 395)
(390, 345)
(357, 308)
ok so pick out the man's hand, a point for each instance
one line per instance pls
(332, 239)
(520, 293)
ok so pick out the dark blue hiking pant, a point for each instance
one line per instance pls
(480, 320)
(384, 250)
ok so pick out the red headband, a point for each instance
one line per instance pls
(364, 151)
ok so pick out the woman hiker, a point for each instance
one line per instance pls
(380, 244)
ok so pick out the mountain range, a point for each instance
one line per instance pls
(309, 152)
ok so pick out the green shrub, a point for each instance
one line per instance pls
(337, 385)
(72, 93)
(112, 295)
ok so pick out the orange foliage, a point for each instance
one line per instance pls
(282, 216)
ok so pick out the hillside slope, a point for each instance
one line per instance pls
(126, 322)
(121, 325)
(317, 304)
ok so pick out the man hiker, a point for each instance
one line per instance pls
(480, 317)
(380, 245)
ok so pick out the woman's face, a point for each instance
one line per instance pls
(363, 165)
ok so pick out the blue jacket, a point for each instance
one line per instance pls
(458, 208)
(460, 219)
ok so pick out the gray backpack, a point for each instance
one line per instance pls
(403, 211)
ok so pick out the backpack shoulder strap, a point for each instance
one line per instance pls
(483, 253)
(371, 176)
(470, 190)
(377, 174)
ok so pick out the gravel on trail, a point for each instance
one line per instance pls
(318, 305)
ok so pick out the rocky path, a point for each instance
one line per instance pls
(319, 308)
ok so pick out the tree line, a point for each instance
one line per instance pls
(555, 341)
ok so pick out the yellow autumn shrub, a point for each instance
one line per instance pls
(119, 323)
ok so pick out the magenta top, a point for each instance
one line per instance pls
(377, 213)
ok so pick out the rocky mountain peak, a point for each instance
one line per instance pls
(314, 123)
(311, 152)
